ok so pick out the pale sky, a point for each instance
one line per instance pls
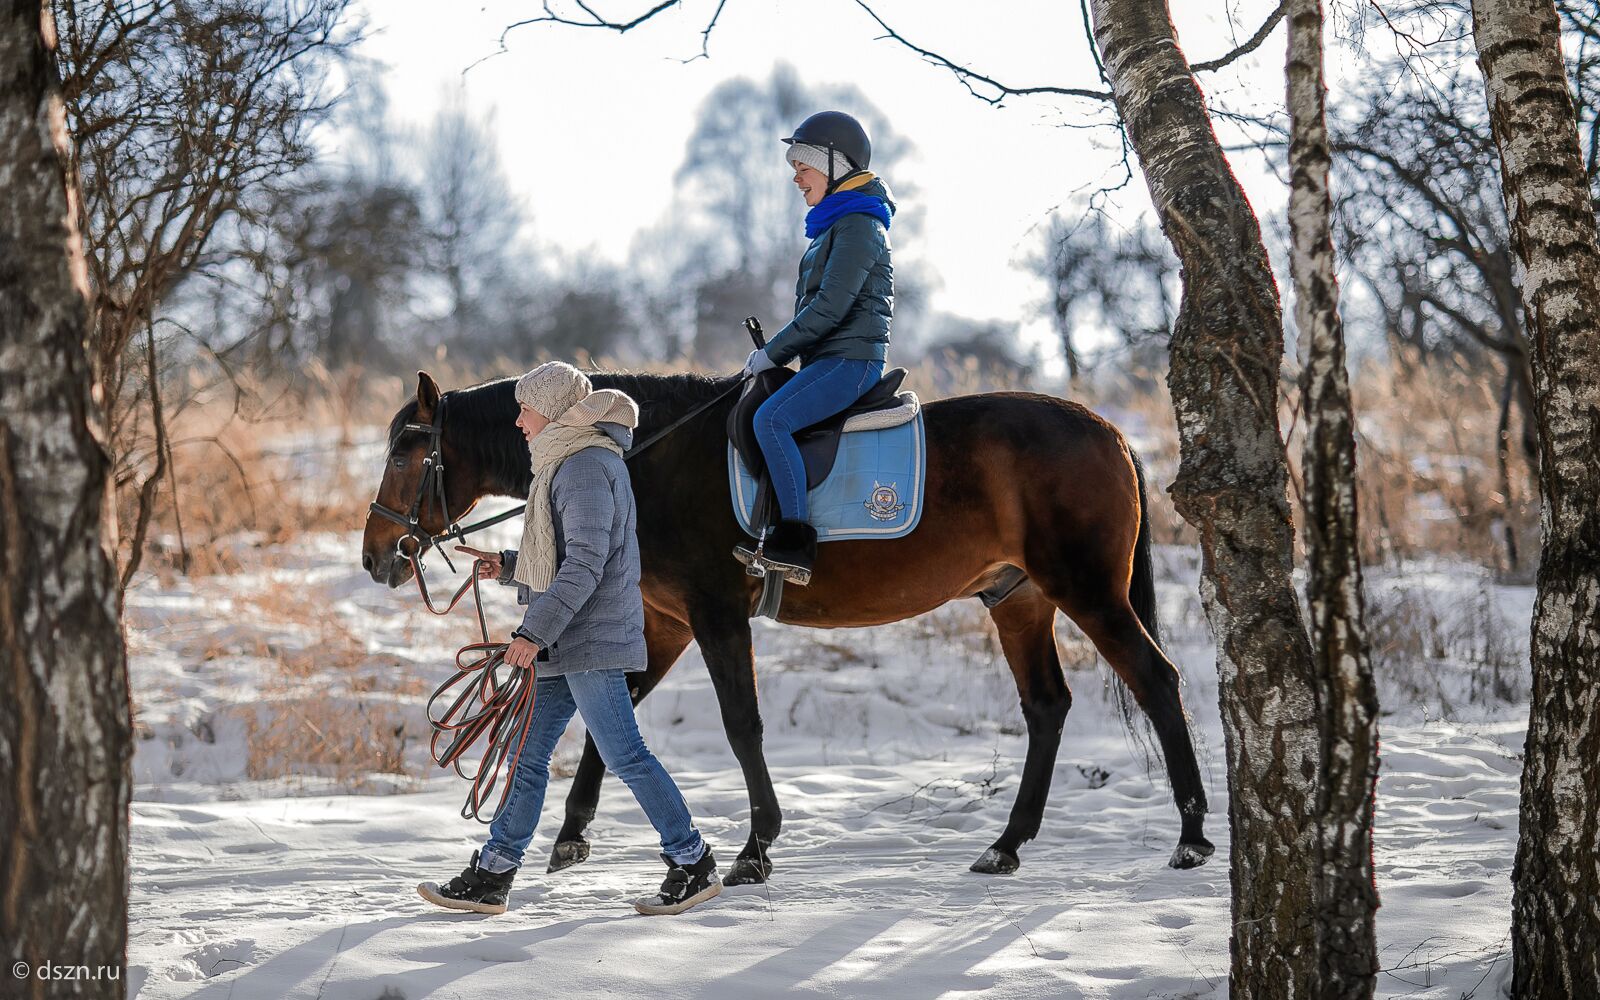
(592, 124)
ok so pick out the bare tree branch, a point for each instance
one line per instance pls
(152, 482)
(705, 36)
(1088, 34)
(1250, 44)
(594, 20)
(968, 77)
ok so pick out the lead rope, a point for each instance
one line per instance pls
(485, 706)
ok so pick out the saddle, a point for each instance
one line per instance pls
(819, 443)
(864, 468)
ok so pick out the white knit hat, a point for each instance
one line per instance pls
(558, 391)
(816, 158)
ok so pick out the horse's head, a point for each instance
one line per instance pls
(413, 482)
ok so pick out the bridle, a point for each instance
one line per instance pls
(431, 492)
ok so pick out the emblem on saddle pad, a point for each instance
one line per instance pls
(884, 504)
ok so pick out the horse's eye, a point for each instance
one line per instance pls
(399, 462)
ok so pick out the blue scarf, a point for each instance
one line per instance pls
(840, 204)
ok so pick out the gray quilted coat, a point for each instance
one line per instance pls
(592, 617)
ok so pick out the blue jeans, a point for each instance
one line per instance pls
(602, 697)
(818, 391)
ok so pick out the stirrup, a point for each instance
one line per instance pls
(756, 564)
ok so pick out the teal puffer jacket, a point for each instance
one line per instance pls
(845, 296)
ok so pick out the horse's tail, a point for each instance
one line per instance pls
(1142, 596)
(1142, 588)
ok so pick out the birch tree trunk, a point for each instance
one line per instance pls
(1555, 905)
(1227, 346)
(1347, 700)
(64, 721)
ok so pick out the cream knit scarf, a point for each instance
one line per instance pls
(564, 437)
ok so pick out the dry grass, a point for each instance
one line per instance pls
(1430, 476)
(257, 464)
(328, 709)
(1444, 650)
(296, 733)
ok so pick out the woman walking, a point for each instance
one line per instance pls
(577, 570)
(844, 301)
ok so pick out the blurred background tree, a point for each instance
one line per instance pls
(729, 245)
(1110, 292)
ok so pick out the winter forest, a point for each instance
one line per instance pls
(1230, 626)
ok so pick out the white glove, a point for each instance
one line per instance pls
(757, 362)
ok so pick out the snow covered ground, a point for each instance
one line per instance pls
(896, 753)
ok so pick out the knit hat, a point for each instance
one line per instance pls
(816, 158)
(559, 392)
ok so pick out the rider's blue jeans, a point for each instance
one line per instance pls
(602, 698)
(818, 391)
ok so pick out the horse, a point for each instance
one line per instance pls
(1024, 491)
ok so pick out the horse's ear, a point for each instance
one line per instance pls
(427, 396)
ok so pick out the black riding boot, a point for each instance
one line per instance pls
(685, 886)
(476, 889)
(792, 547)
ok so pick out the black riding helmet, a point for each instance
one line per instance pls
(835, 130)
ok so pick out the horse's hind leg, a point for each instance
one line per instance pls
(665, 640)
(1026, 621)
(1110, 623)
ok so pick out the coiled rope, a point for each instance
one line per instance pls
(483, 705)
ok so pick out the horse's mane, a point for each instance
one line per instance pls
(661, 398)
(479, 417)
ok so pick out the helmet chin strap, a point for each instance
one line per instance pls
(835, 182)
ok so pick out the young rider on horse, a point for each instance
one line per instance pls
(843, 304)
(578, 571)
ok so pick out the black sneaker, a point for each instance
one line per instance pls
(792, 548)
(684, 887)
(476, 889)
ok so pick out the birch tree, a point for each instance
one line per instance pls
(1346, 936)
(1226, 350)
(65, 739)
(1555, 904)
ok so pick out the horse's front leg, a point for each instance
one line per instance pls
(724, 636)
(665, 639)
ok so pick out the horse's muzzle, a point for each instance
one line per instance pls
(388, 569)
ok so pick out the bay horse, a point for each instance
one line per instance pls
(1016, 481)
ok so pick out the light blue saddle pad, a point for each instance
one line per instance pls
(874, 491)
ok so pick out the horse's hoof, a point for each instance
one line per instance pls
(1191, 855)
(747, 871)
(568, 853)
(994, 861)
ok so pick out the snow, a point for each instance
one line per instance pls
(896, 754)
